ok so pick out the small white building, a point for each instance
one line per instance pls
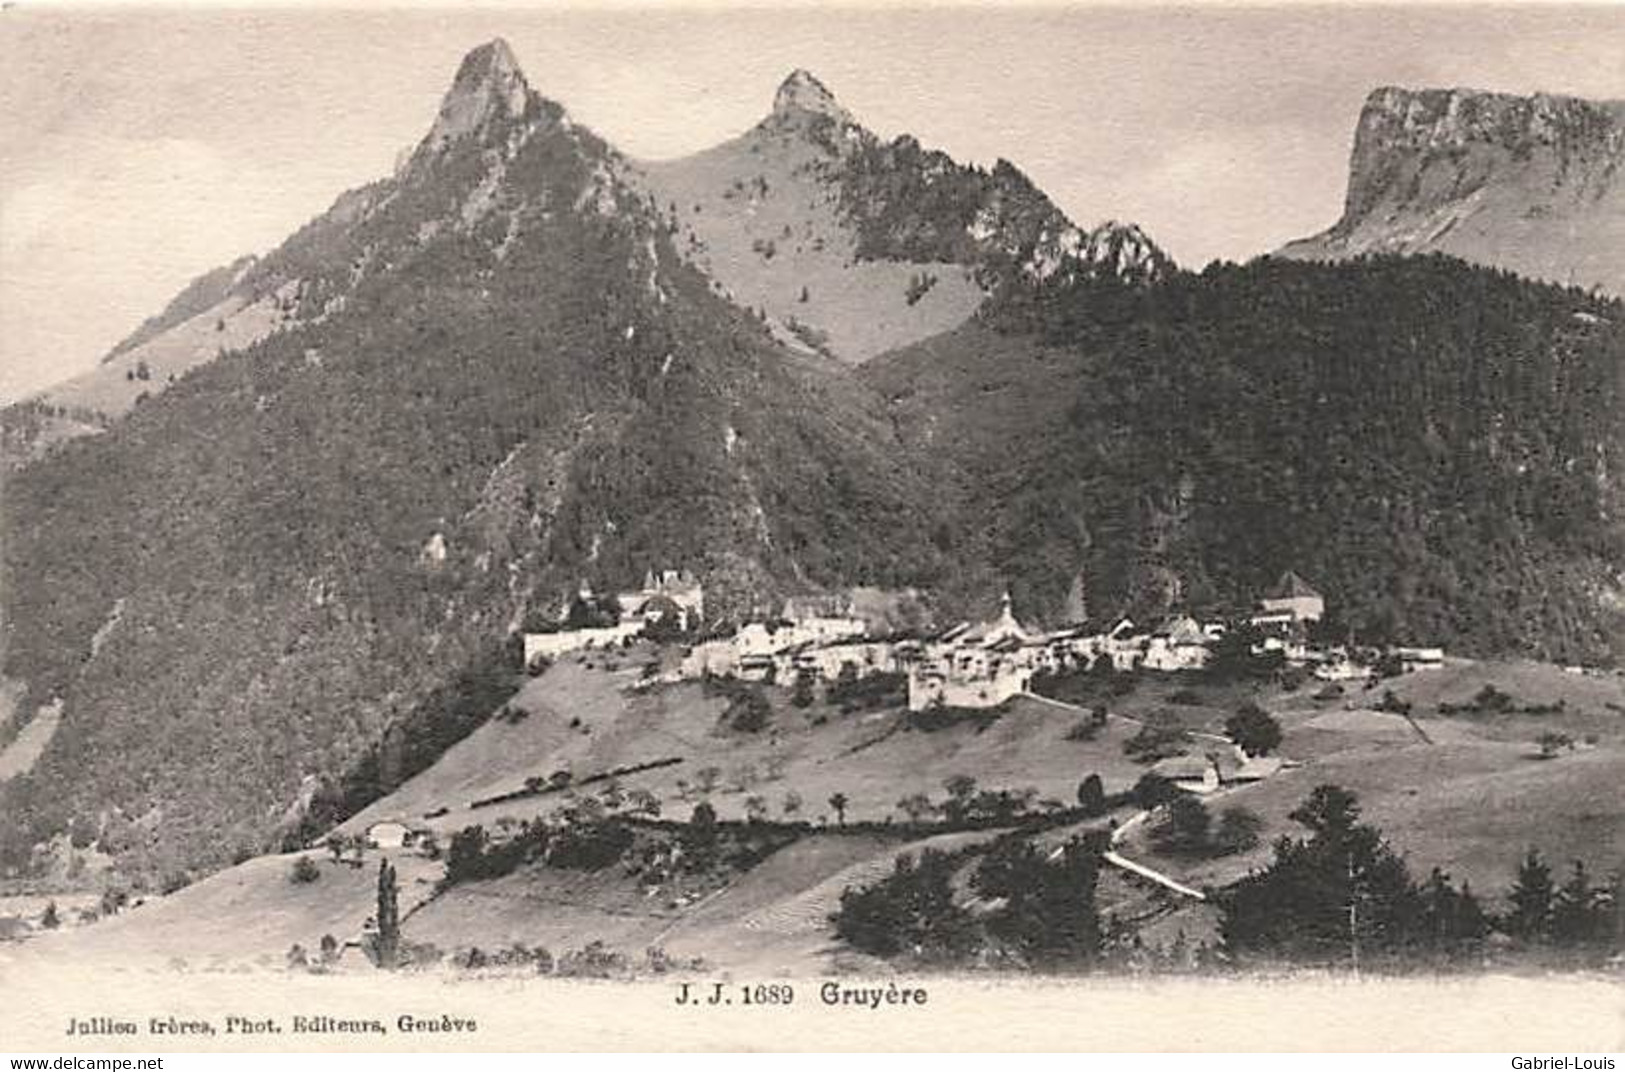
(393, 834)
(1336, 667)
(1421, 658)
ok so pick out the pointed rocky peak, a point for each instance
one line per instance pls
(1115, 249)
(1119, 234)
(489, 84)
(492, 63)
(802, 95)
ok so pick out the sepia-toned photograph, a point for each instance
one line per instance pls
(805, 527)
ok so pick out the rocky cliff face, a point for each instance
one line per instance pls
(1534, 184)
(850, 245)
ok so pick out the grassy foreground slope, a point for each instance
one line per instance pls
(1454, 790)
(1467, 792)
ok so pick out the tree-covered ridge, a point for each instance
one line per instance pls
(1438, 446)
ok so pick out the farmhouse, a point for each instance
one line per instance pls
(1236, 767)
(1209, 773)
(1193, 774)
(394, 834)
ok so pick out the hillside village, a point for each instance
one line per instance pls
(972, 665)
(816, 743)
(278, 732)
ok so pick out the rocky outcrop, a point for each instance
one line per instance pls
(1531, 184)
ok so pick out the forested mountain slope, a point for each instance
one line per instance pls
(240, 586)
(1437, 446)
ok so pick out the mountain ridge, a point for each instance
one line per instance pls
(850, 245)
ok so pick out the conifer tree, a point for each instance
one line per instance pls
(389, 916)
(1532, 897)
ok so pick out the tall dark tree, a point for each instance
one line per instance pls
(1092, 795)
(465, 858)
(1184, 827)
(1532, 897)
(1338, 897)
(389, 916)
(699, 837)
(1153, 790)
(1234, 658)
(1452, 924)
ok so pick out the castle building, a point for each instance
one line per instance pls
(662, 595)
(976, 665)
(1291, 601)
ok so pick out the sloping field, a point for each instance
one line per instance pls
(773, 918)
(250, 913)
(776, 918)
(500, 755)
(113, 385)
(1314, 735)
(874, 759)
(541, 906)
(1461, 793)
(1591, 704)
(1470, 807)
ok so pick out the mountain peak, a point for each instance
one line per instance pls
(492, 61)
(489, 83)
(802, 94)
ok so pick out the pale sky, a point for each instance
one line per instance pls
(142, 146)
